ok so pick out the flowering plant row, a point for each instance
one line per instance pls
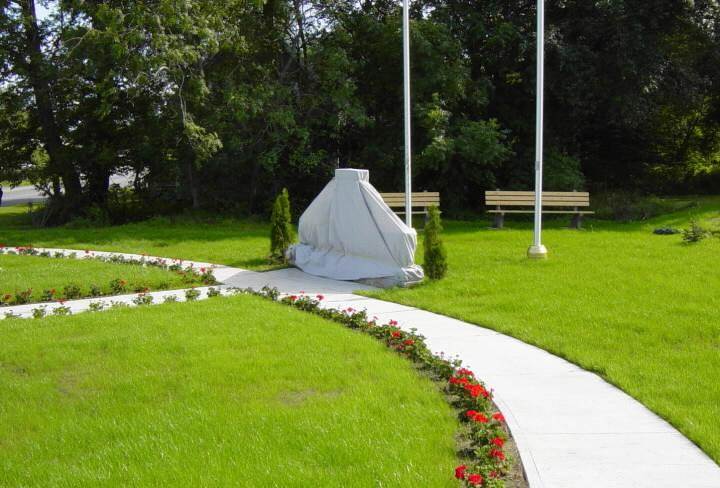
(484, 433)
(72, 291)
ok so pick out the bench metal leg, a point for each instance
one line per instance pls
(499, 221)
(576, 221)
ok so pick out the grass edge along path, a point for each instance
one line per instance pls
(484, 433)
(146, 274)
(641, 310)
(226, 391)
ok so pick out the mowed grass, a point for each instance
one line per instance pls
(233, 242)
(19, 273)
(640, 309)
(226, 392)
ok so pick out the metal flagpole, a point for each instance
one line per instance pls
(406, 92)
(537, 250)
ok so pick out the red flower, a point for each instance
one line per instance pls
(471, 414)
(320, 297)
(475, 479)
(498, 441)
(498, 454)
(350, 310)
(302, 292)
(465, 372)
(494, 474)
(202, 270)
(454, 380)
(476, 390)
(499, 417)
(293, 298)
(396, 334)
(481, 418)
(409, 342)
(393, 322)
(460, 472)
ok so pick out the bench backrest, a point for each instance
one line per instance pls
(527, 198)
(422, 199)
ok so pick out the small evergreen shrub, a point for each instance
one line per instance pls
(435, 256)
(694, 233)
(280, 227)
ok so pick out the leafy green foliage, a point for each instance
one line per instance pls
(218, 104)
(435, 264)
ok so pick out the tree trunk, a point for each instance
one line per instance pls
(44, 106)
(192, 182)
(98, 185)
(301, 30)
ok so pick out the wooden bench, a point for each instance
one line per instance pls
(564, 202)
(420, 201)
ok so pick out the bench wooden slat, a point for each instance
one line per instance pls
(419, 199)
(581, 212)
(415, 203)
(531, 203)
(434, 194)
(545, 198)
(549, 203)
(491, 193)
(395, 200)
(532, 199)
(415, 199)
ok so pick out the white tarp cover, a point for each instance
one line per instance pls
(349, 233)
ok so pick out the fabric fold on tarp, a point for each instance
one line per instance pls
(349, 233)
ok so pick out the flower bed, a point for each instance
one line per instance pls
(484, 432)
(190, 276)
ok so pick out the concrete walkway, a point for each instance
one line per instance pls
(573, 430)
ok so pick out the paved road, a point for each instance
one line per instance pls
(23, 195)
(20, 196)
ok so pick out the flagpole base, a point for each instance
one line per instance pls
(537, 252)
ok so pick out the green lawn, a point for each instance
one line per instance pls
(242, 243)
(641, 310)
(19, 273)
(226, 392)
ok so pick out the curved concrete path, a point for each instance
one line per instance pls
(573, 430)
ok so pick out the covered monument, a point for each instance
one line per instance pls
(349, 233)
